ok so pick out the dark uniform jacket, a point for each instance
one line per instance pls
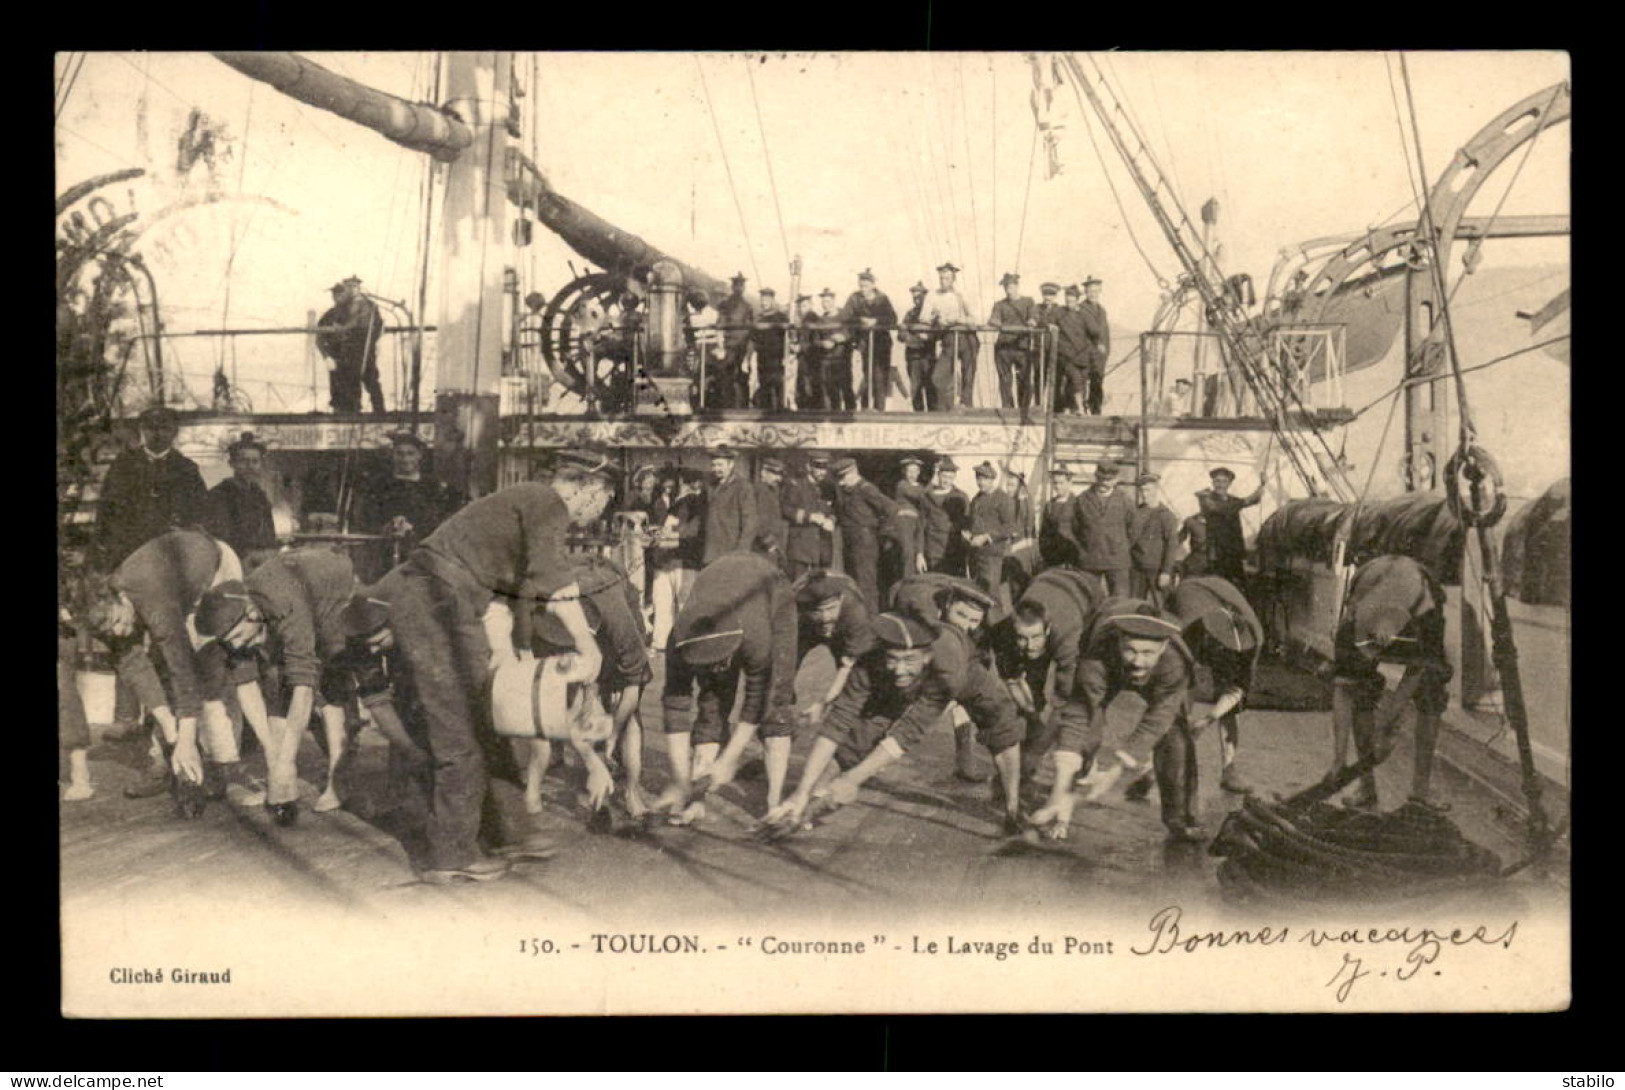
(1155, 542)
(510, 543)
(1073, 341)
(1097, 331)
(615, 615)
(165, 579)
(1201, 595)
(239, 513)
(994, 514)
(356, 330)
(730, 517)
(880, 309)
(142, 497)
(804, 542)
(852, 637)
(1012, 312)
(1070, 600)
(1222, 516)
(770, 518)
(303, 594)
(1101, 676)
(947, 512)
(863, 510)
(1056, 545)
(424, 503)
(1103, 529)
(917, 343)
(911, 519)
(770, 342)
(745, 591)
(736, 313)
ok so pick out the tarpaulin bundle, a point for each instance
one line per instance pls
(1419, 525)
(1535, 549)
(1326, 852)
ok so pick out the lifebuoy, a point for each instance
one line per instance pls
(1484, 484)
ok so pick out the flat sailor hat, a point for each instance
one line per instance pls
(902, 631)
(708, 643)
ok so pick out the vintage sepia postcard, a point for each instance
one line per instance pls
(594, 533)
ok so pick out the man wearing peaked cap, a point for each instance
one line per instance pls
(1154, 545)
(351, 330)
(895, 693)
(994, 524)
(1012, 348)
(835, 344)
(919, 350)
(1393, 613)
(1226, 544)
(1056, 545)
(947, 512)
(731, 517)
(1072, 349)
(809, 518)
(905, 551)
(770, 338)
(739, 622)
(735, 316)
(771, 523)
(957, 344)
(961, 605)
(148, 489)
(1103, 527)
(863, 513)
(1130, 645)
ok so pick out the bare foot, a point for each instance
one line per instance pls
(78, 792)
(636, 804)
(691, 813)
(327, 802)
(1056, 818)
(533, 801)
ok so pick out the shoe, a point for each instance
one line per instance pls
(1233, 782)
(533, 848)
(155, 782)
(214, 782)
(123, 732)
(1191, 834)
(1139, 790)
(1366, 802)
(283, 814)
(481, 869)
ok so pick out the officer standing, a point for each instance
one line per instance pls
(508, 545)
(1072, 354)
(1221, 516)
(1393, 613)
(769, 337)
(734, 319)
(863, 512)
(871, 316)
(1047, 317)
(810, 392)
(991, 528)
(740, 621)
(957, 343)
(835, 338)
(1099, 335)
(919, 350)
(1103, 526)
(809, 517)
(771, 522)
(1130, 646)
(1056, 545)
(1154, 547)
(947, 517)
(351, 330)
(730, 510)
(148, 490)
(1012, 349)
(237, 510)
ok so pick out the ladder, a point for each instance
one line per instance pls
(1245, 347)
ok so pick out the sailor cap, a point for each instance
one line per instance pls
(902, 631)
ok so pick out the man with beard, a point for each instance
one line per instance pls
(730, 511)
(809, 517)
(1130, 646)
(1103, 527)
(862, 511)
(507, 547)
(894, 695)
(1154, 546)
(237, 511)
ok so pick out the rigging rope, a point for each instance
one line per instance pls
(970, 173)
(772, 184)
(750, 251)
(1088, 129)
(1021, 233)
(944, 173)
(66, 85)
(1466, 370)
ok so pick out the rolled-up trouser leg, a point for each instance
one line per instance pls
(439, 631)
(73, 732)
(1174, 760)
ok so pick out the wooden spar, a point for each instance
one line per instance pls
(594, 237)
(414, 125)
(468, 343)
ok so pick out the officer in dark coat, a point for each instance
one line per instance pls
(947, 515)
(991, 528)
(237, 510)
(1056, 545)
(1154, 548)
(863, 512)
(769, 337)
(351, 330)
(509, 545)
(734, 318)
(810, 392)
(809, 517)
(740, 622)
(1221, 515)
(1103, 526)
(149, 489)
(771, 523)
(407, 506)
(730, 511)
(1072, 354)
(870, 316)
(919, 350)
(1099, 335)
(1012, 348)
(1131, 645)
(894, 695)
(1047, 318)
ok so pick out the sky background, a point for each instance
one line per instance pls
(894, 162)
